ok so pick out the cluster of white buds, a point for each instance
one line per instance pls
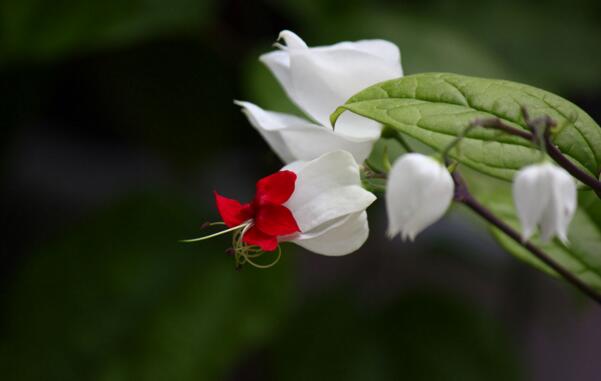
(420, 190)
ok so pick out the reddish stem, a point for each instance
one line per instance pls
(551, 148)
(463, 195)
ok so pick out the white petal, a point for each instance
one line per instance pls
(419, 192)
(437, 197)
(295, 166)
(340, 239)
(294, 138)
(531, 193)
(320, 79)
(324, 78)
(292, 40)
(269, 125)
(327, 188)
(279, 61)
(562, 204)
(383, 49)
(357, 128)
(549, 223)
(309, 143)
(566, 194)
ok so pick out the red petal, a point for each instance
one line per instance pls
(232, 212)
(275, 220)
(276, 188)
(256, 237)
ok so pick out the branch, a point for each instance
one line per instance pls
(551, 148)
(498, 124)
(564, 162)
(390, 133)
(401, 140)
(463, 196)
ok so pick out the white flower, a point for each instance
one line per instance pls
(420, 190)
(328, 204)
(545, 195)
(318, 80)
(318, 204)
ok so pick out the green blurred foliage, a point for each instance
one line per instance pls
(421, 336)
(121, 299)
(40, 29)
(173, 97)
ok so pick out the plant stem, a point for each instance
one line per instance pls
(564, 162)
(456, 141)
(498, 124)
(551, 149)
(463, 196)
(401, 140)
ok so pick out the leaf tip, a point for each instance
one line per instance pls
(336, 114)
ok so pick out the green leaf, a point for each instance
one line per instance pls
(582, 256)
(436, 107)
(120, 298)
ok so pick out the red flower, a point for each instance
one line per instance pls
(268, 216)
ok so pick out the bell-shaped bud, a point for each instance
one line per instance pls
(545, 196)
(419, 192)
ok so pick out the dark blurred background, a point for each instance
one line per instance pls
(118, 124)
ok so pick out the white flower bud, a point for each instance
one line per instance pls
(419, 192)
(545, 195)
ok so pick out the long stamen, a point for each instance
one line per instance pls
(246, 253)
(275, 261)
(208, 224)
(243, 225)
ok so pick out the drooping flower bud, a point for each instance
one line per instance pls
(420, 190)
(545, 195)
